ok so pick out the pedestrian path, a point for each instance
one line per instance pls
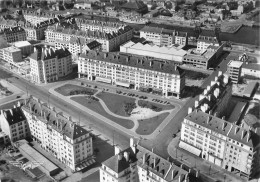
(110, 122)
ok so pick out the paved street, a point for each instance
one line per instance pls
(159, 143)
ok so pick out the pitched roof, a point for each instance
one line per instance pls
(134, 4)
(14, 115)
(42, 53)
(118, 163)
(134, 61)
(92, 45)
(54, 119)
(237, 133)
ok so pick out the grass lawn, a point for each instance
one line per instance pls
(150, 104)
(97, 107)
(115, 102)
(147, 126)
(66, 89)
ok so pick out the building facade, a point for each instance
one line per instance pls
(101, 26)
(203, 59)
(36, 17)
(65, 140)
(14, 124)
(109, 41)
(172, 53)
(226, 145)
(49, 65)
(14, 34)
(216, 97)
(249, 69)
(162, 77)
(139, 164)
(11, 55)
(25, 47)
(234, 69)
(205, 41)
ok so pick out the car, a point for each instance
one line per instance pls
(18, 96)
(174, 135)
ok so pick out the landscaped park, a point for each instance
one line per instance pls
(131, 111)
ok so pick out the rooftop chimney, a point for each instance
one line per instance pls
(242, 135)
(248, 136)
(144, 158)
(236, 129)
(126, 156)
(219, 73)
(117, 150)
(189, 110)
(11, 111)
(196, 103)
(120, 157)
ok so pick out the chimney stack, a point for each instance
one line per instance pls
(189, 110)
(11, 111)
(144, 158)
(117, 150)
(126, 156)
(248, 136)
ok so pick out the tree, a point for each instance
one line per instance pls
(177, 8)
(153, 6)
(168, 5)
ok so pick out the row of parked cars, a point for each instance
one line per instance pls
(161, 101)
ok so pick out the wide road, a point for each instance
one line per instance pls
(85, 119)
(159, 143)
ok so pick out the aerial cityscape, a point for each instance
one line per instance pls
(130, 90)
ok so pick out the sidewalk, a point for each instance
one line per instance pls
(208, 169)
(110, 122)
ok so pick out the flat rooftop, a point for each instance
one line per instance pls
(22, 43)
(12, 49)
(34, 155)
(236, 64)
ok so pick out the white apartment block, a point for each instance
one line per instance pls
(13, 123)
(159, 36)
(139, 164)
(109, 41)
(234, 69)
(11, 55)
(65, 140)
(74, 45)
(164, 37)
(101, 26)
(49, 65)
(204, 42)
(226, 145)
(162, 77)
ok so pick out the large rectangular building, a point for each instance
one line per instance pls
(109, 41)
(162, 77)
(136, 163)
(225, 144)
(206, 40)
(12, 55)
(48, 65)
(166, 53)
(203, 59)
(64, 139)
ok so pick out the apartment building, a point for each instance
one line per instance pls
(49, 65)
(171, 53)
(205, 40)
(203, 59)
(14, 124)
(64, 139)
(216, 97)
(251, 70)
(162, 77)
(74, 45)
(234, 69)
(14, 34)
(164, 37)
(25, 47)
(11, 55)
(222, 143)
(159, 36)
(35, 17)
(109, 41)
(139, 164)
(181, 38)
(99, 25)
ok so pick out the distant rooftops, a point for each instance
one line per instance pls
(134, 61)
(12, 30)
